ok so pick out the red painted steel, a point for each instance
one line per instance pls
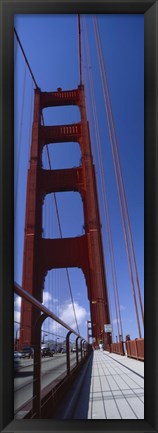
(85, 252)
(59, 98)
(32, 279)
(59, 134)
(118, 348)
(140, 348)
(62, 180)
(135, 348)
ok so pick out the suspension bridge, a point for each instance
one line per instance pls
(61, 276)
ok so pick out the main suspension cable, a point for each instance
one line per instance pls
(26, 60)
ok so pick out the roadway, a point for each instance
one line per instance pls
(51, 368)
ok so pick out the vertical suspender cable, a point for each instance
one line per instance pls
(105, 202)
(31, 114)
(20, 142)
(122, 182)
(122, 186)
(99, 157)
(88, 105)
(117, 177)
(79, 48)
(104, 84)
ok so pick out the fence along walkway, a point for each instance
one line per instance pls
(113, 389)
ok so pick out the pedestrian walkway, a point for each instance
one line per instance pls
(113, 388)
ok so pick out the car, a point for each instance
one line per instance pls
(17, 354)
(62, 350)
(73, 349)
(27, 352)
(46, 351)
(17, 365)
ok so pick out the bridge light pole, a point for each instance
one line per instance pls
(45, 335)
(57, 344)
(16, 337)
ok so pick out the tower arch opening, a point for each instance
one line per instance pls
(71, 217)
(57, 298)
(61, 115)
(62, 155)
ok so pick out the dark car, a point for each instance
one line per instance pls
(17, 354)
(27, 352)
(73, 349)
(46, 351)
(17, 365)
(62, 350)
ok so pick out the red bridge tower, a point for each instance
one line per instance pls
(85, 252)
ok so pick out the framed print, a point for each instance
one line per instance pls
(51, 334)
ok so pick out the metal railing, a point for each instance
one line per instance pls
(118, 348)
(135, 348)
(72, 362)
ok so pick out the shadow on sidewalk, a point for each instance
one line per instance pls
(82, 405)
(76, 400)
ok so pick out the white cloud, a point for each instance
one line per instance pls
(122, 307)
(17, 303)
(55, 327)
(48, 300)
(17, 316)
(46, 297)
(55, 300)
(68, 314)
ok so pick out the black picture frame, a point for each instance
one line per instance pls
(150, 10)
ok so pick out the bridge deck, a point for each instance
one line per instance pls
(113, 388)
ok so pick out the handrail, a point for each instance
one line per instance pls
(24, 294)
(36, 410)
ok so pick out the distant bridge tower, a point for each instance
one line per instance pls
(85, 252)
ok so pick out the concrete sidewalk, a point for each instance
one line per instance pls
(113, 388)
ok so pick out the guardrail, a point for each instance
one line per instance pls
(135, 348)
(40, 401)
(118, 348)
(115, 348)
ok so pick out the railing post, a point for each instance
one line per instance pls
(37, 367)
(77, 350)
(68, 352)
(136, 346)
(81, 347)
(123, 351)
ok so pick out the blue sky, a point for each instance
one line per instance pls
(51, 46)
